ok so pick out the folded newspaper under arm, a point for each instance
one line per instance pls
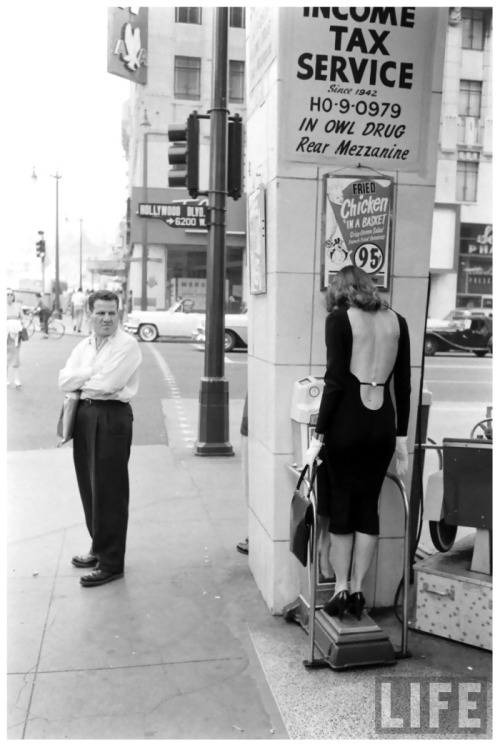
(67, 417)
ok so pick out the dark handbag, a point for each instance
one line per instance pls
(23, 334)
(67, 417)
(301, 518)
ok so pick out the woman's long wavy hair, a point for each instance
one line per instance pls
(353, 287)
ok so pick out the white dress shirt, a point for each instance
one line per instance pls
(110, 372)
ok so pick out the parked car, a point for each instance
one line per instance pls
(471, 331)
(178, 321)
(235, 331)
(456, 315)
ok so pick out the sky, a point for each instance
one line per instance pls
(63, 115)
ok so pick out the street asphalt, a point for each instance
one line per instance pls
(183, 646)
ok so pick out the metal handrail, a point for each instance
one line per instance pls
(406, 563)
(434, 447)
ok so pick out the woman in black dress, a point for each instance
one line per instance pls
(358, 430)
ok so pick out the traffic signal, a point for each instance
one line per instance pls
(184, 155)
(40, 246)
(235, 157)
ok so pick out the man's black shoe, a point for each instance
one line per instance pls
(84, 561)
(98, 578)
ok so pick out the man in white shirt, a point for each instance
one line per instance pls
(105, 369)
(78, 302)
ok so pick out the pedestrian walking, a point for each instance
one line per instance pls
(44, 315)
(358, 429)
(78, 303)
(15, 323)
(105, 369)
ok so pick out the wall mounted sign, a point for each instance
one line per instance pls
(357, 226)
(175, 215)
(357, 84)
(257, 259)
(128, 43)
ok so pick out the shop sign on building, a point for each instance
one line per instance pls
(257, 258)
(128, 43)
(480, 245)
(357, 222)
(359, 83)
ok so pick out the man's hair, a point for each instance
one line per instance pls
(102, 295)
(353, 287)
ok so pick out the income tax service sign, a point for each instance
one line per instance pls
(357, 84)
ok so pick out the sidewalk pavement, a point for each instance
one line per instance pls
(183, 646)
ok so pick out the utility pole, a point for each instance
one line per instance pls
(57, 304)
(213, 432)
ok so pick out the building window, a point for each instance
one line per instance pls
(473, 28)
(237, 18)
(188, 15)
(469, 111)
(236, 81)
(467, 181)
(470, 98)
(187, 77)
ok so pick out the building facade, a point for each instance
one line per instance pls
(462, 236)
(175, 61)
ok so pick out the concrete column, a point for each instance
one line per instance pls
(287, 317)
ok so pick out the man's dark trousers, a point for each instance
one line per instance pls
(101, 449)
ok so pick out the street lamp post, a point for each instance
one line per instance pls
(144, 258)
(80, 285)
(57, 303)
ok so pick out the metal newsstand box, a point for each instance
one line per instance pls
(451, 600)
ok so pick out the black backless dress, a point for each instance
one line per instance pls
(358, 442)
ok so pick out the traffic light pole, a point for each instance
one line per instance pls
(144, 258)
(213, 432)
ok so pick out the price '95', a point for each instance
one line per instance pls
(373, 108)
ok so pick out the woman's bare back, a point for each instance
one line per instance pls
(375, 338)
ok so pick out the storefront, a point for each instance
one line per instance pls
(475, 266)
(177, 257)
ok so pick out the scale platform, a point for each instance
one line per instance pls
(351, 642)
(344, 643)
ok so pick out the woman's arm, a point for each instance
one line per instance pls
(338, 353)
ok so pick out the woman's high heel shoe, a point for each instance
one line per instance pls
(357, 603)
(337, 604)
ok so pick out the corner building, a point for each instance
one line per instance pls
(178, 47)
(461, 263)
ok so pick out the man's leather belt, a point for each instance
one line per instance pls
(103, 402)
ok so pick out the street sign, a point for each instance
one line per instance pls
(175, 215)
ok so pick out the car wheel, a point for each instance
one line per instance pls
(490, 345)
(229, 341)
(442, 535)
(480, 353)
(148, 332)
(430, 346)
